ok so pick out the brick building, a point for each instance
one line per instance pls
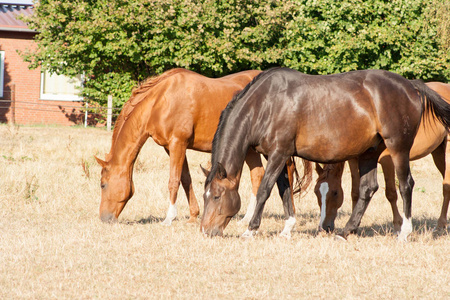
(39, 97)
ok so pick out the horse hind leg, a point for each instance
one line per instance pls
(441, 157)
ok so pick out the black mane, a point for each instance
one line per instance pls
(223, 120)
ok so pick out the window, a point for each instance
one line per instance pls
(2, 71)
(60, 87)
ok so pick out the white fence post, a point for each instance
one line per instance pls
(86, 115)
(109, 116)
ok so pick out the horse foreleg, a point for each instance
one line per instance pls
(186, 182)
(253, 160)
(441, 157)
(391, 193)
(368, 186)
(290, 164)
(284, 184)
(177, 156)
(275, 165)
(354, 172)
(406, 184)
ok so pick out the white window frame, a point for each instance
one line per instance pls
(54, 97)
(2, 72)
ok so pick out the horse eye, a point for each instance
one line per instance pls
(216, 198)
(103, 185)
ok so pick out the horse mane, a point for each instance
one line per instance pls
(223, 120)
(138, 94)
(327, 168)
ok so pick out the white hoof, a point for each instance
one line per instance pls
(249, 234)
(405, 231)
(286, 235)
(339, 238)
(166, 222)
(171, 215)
(288, 226)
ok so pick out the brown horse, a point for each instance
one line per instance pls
(180, 110)
(431, 138)
(321, 118)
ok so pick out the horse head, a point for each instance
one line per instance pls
(329, 194)
(221, 201)
(117, 188)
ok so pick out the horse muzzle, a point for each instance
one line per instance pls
(328, 228)
(212, 232)
(107, 217)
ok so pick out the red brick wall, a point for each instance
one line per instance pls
(29, 108)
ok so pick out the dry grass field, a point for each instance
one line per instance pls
(53, 245)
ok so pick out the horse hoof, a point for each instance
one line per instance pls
(249, 234)
(192, 221)
(286, 235)
(402, 238)
(166, 222)
(339, 238)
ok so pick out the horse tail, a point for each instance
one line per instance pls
(433, 103)
(302, 183)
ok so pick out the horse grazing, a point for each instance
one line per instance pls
(321, 118)
(180, 110)
(431, 138)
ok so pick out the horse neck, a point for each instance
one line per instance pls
(128, 143)
(232, 149)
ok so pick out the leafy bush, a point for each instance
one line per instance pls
(119, 43)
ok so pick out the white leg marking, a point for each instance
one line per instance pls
(171, 215)
(406, 230)
(288, 226)
(250, 211)
(323, 210)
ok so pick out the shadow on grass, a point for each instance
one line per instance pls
(156, 220)
(143, 221)
(420, 226)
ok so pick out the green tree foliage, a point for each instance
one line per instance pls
(118, 43)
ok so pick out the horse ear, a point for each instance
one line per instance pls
(319, 169)
(221, 172)
(205, 171)
(100, 162)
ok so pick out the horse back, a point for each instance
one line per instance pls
(340, 116)
(187, 106)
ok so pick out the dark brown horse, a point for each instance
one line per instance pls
(327, 119)
(431, 138)
(180, 110)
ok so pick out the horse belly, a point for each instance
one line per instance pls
(326, 148)
(429, 136)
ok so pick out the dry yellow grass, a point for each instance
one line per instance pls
(52, 244)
